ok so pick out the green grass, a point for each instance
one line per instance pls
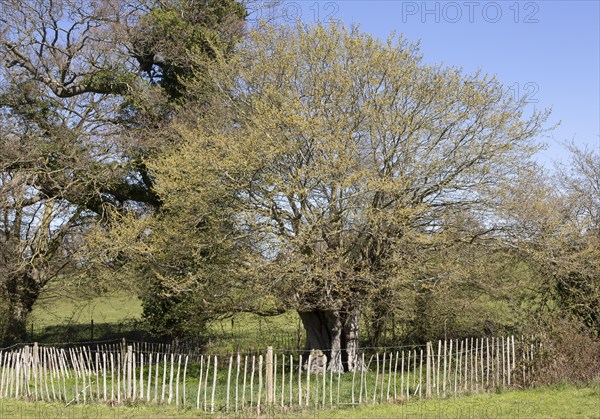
(58, 317)
(114, 308)
(64, 317)
(68, 317)
(246, 331)
(548, 402)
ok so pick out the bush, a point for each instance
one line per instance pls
(571, 353)
(179, 316)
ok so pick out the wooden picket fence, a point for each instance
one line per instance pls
(272, 381)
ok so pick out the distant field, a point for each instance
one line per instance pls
(64, 318)
(61, 318)
(553, 402)
(117, 307)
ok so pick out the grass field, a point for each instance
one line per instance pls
(68, 319)
(550, 402)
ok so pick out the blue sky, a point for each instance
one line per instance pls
(550, 49)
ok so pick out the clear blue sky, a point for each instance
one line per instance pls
(548, 48)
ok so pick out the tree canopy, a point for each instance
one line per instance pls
(82, 83)
(346, 163)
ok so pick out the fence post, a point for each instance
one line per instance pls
(129, 371)
(428, 372)
(269, 376)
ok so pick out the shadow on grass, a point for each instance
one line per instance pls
(77, 332)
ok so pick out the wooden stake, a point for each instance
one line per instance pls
(228, 383)
(184, 379)
(200, 382)
(331, 387)
(142, 388)
(269, 375)
(514, 365)
(487, 362)
(103, 376)
(274, 379)
(308, 370)
(414, 369)
(214, 387)
(119, 358)
(260, 383)
(156, 371)
(498, 362)
(476, 365)
(503, 363)
(408, 371)
(237, 381)
(428, 371)
(339, 378)
(360, 391)
(421, 375)
(300, 380)
(508, 363)
(395, 375)
(382, 378)
(353, 378)
(164, 380)
(376, 378)
(437, 375)
(282, 379)
(177, 380)
(112, 377)
(133, 380)
(149, 378)
(291, 377)
(481, 364)
(252, 383)
(401, 375)
(466, 383)
(244, 382)
(324, 370)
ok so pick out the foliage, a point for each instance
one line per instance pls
(329, 166)
(79, 90)
(555, 226)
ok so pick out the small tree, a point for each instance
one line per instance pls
(556, 225)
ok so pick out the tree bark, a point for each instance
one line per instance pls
(335, 333)
(22, 292)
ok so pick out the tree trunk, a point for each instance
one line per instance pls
(335, 333)
(22, 292)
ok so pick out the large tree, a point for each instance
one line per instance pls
(83, 84)
(347, 161)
